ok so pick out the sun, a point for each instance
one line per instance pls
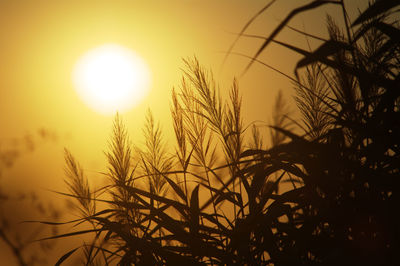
(111, 78)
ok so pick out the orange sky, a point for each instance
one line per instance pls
(40, 41)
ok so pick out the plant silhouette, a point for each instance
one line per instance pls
(326, 196)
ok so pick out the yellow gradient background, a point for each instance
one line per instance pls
(40, 42)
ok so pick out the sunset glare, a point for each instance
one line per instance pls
(199, 132)
(111, 78)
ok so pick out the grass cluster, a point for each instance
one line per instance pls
(327, 195)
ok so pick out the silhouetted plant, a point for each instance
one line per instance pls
(216, 202)
(343, 210)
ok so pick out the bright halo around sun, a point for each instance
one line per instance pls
(111, 78)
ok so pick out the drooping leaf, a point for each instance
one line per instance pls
(71, 234)
(230, 196)
(221, 195)
(293, 13)
(251, 152)
(377, 8)
(176, 188)
(290, 134)
(326, 49)
(245, 27)
(389, 30)
(65, 256)
(135, 192)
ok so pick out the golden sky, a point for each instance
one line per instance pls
(40, 41)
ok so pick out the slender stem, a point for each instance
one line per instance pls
(346, 21)
(16, 250)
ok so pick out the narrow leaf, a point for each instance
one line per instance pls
(65, 256)
(392, 32)
(71, 234)
(176, 188)
(194, 208)
(326, 49)
(377, 8)
(292, 14)
(251, 152)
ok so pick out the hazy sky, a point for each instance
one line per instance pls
(40, 41)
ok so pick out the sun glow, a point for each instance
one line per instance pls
(111, 78)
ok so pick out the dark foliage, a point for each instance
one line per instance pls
(343, 211)
(326, 197)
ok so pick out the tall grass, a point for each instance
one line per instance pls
(214, 200)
